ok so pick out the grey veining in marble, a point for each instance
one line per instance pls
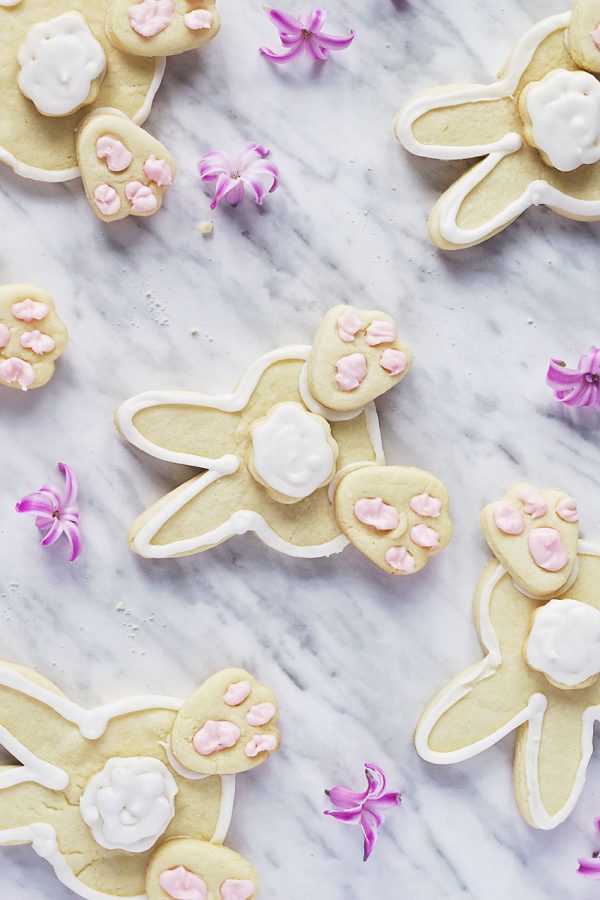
(353, 655)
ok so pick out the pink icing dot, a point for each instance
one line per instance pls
(151, 16)
(264, 743)
(509, 519)
(215, 736)
(596, 36)
(181, 884)
(351, 371)
(29, 309)
(349, 325)
(547, 549)
(16, 371)
(107, 200)
(261, 714)
(424, 536)
(380, 332)
(376, 513)
(534, 504)
(116, 154)
(393, 361)
(38, 342)
(237, 693)
(198, 19)
(4, 335)
(232, 889)
(567, 510)
(158, 171)
(400, 559)
(426, 505)
(140, 196)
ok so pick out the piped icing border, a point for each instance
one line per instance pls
(56, 176)
(533, 714)
(92, 725)
(536, 193)
(242, 521)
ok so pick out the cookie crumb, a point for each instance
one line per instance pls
(194, 330)
(120, 606)
(206, 227)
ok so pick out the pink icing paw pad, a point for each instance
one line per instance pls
(534, 534)
(228, 726)
(32, 337)
(356, 356)
(161, 27)
(396, 516)
(125, 171)
(198, 870)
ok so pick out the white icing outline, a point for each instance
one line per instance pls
(536, 193)
(241, 521)
(533, 714)
(41, 835)
(56, 176)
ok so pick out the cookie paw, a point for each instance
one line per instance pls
(534, 534)
(185, 869)
(32, 337)
(356, 357)
(397, 516)
(125, 170)
(583, 35)
(227, 726)
(161, 27)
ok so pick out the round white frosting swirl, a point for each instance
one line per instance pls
(59, 61)
(292, 453)
(565, 116)
(130, 803)
(564, 642)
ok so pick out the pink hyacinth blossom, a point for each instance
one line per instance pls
(590, 868)
(303, 33)
(234, 176)
(56, 512)
(577, 387)
(366, 809)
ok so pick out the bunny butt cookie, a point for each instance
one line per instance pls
(134, 798)
(278, 462)
(540, 671)
(536, 131)
(60, 65)
(125, 171)
(32, 337)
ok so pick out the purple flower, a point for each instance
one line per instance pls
(590, 868)
(577, 387)
(244, 172)
(56, 513)
(366, 809)
(303, 33)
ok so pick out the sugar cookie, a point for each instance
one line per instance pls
(124, 800)
(540, 671)
(280, 463)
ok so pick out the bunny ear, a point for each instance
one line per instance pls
(229, 725)
(534, 533)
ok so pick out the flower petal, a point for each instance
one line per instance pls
(344, 798)
(225, 185)
(589, 868)
(71, 485)
(74, 539)
(348, 817)
(283, 57)
(369, 824)
(375, 779)
(315, 20)
(283, 21)
(314, 48)
(56, 529)
(248, 157)
(335, 43)
(36, 503)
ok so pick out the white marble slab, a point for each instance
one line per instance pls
(352, 654)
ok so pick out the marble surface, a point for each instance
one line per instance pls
(353, 654)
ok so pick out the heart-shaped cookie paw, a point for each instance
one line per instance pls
(395, 515)
(186, 869)
(32, 336)
(161, 27)
(125, 170)
(229, 725)
(356, 357)
(534, 534)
